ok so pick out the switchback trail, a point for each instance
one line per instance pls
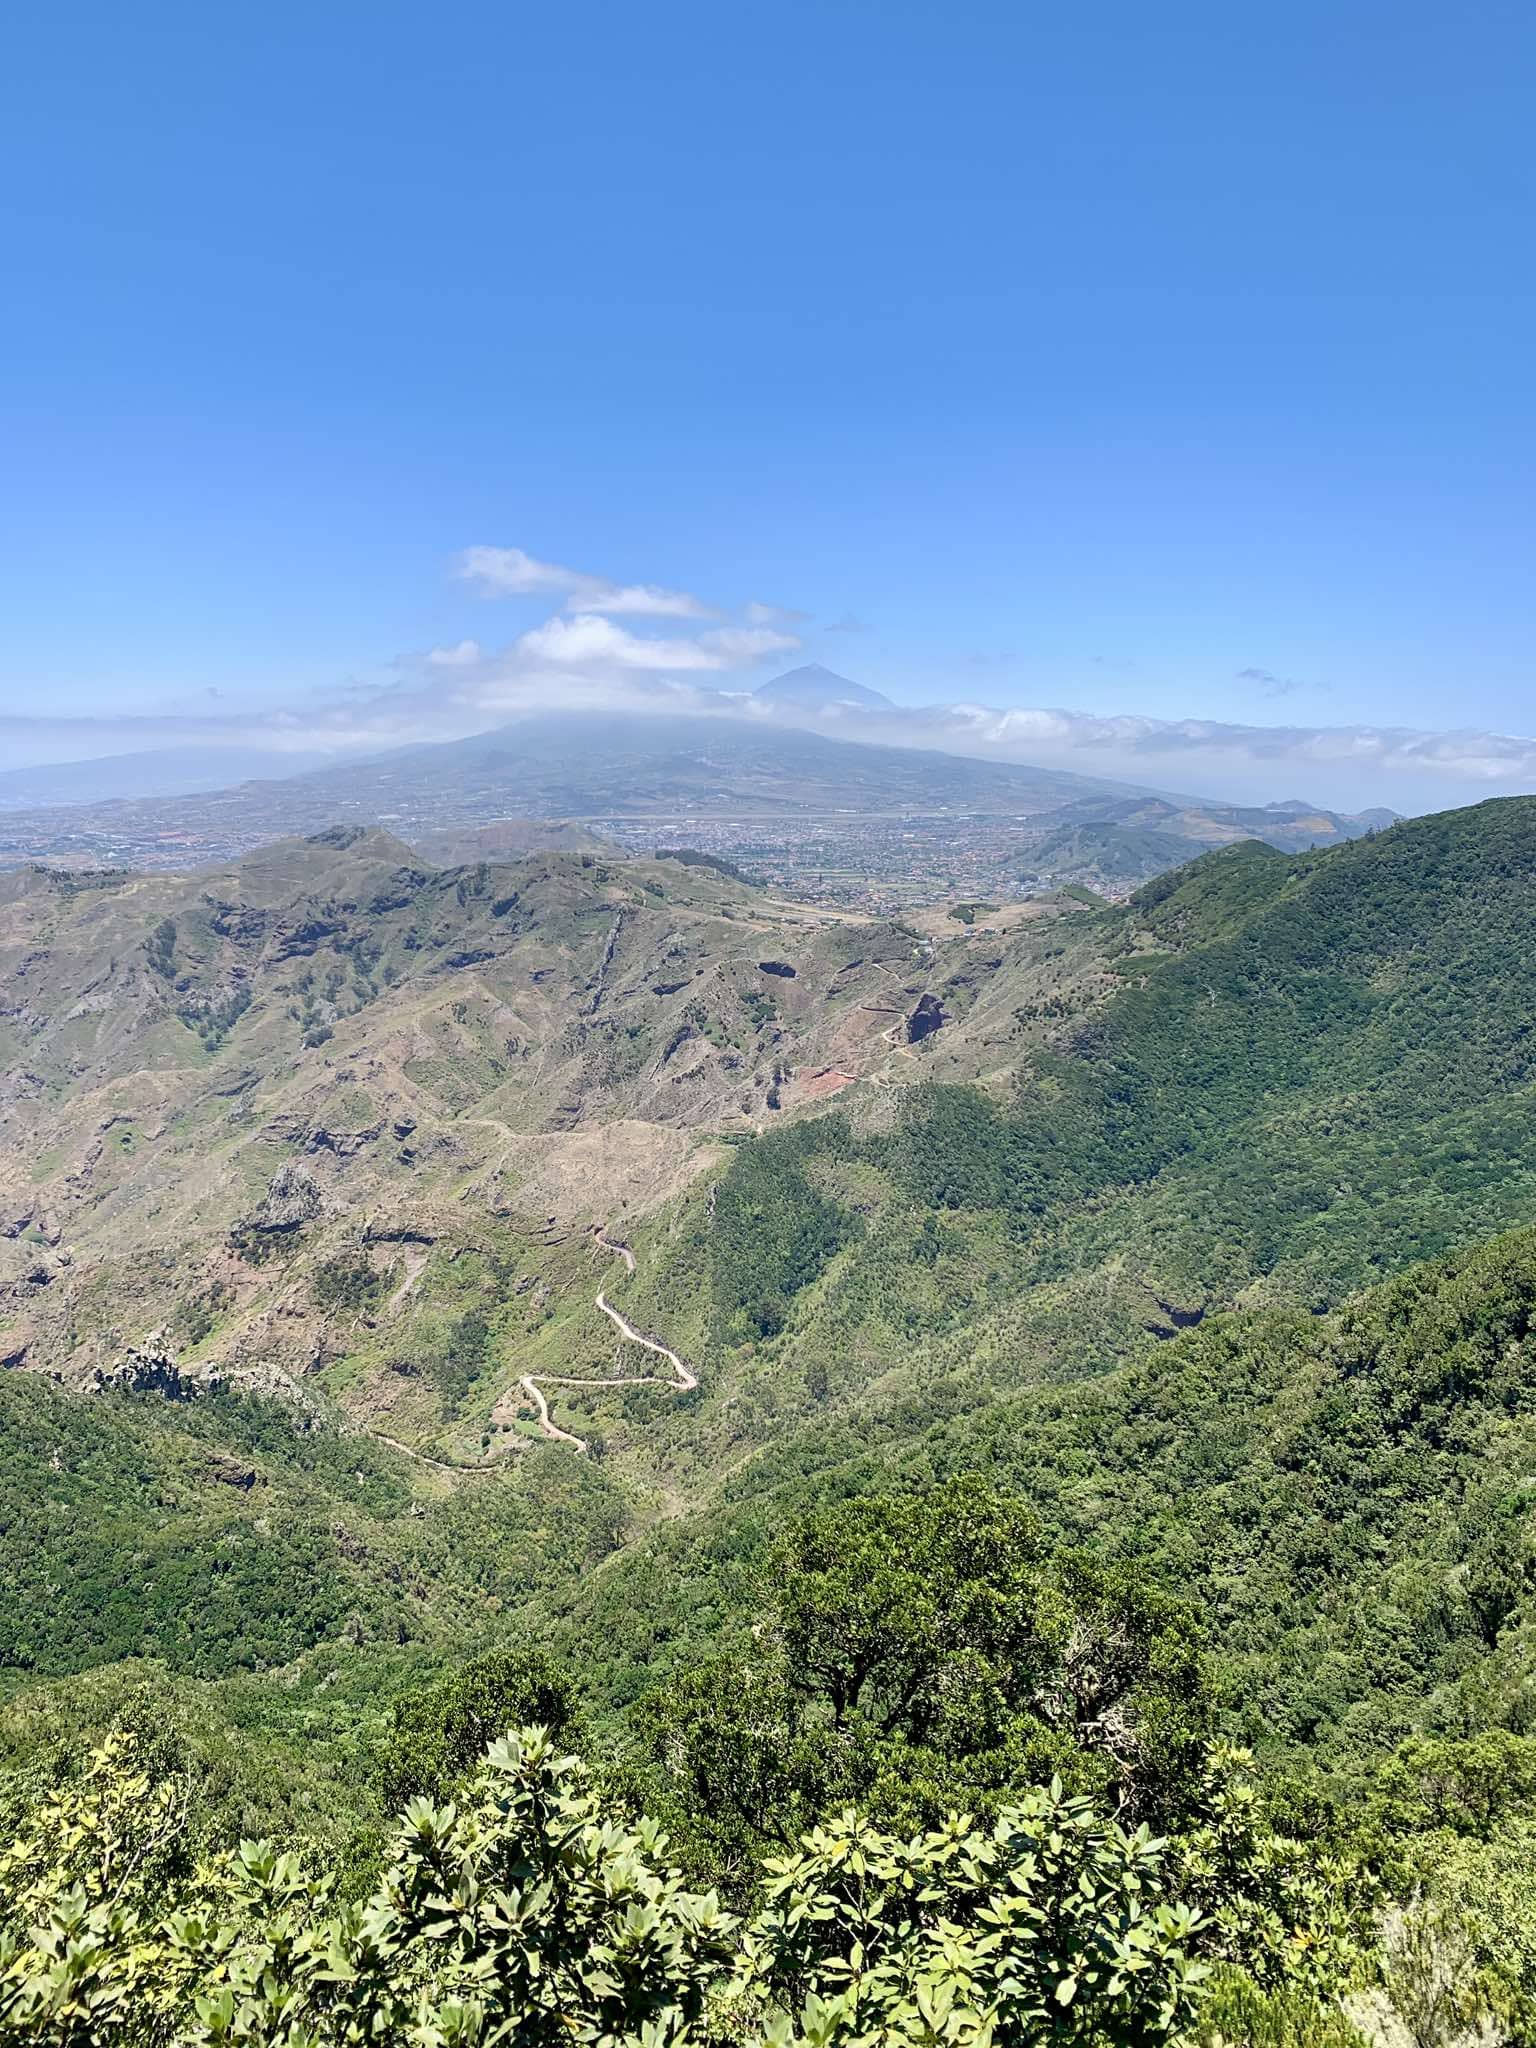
(683, 1381)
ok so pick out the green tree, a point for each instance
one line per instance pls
(439, 1734)
(347, 1282)
(919, 1651)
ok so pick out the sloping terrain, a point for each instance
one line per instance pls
(509, 839)
(247, 1109)
(351, 1139)
(1116, 843)
(1344, 1500)
(572, 766)
(156, 772)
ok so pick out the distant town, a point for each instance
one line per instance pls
(879, 862)
(871, 862)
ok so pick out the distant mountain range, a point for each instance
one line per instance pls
(565, 766)
(590, 770)
(509, 839)
(1118, 843)
(160, 771)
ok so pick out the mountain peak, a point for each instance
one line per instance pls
(815, 686)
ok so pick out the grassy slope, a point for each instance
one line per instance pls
(1315, 1070)
(216, 1537)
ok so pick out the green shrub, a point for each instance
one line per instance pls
(524, 1912)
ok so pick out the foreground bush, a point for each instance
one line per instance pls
(526, 1914)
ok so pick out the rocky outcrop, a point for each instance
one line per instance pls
(398, 1233)
(679, 1038)
(1171, 1318)
(344, 1144)
(303, 936)
(600, 979)
(292, 1199)
(147, 1370)
(232, 1471)
(925, 1019)
(241, 922)
(287, 1128)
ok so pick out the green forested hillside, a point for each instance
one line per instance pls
(1345, 1501)
(1308, 1072)
(1137, 1363)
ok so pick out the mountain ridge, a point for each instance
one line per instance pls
(397, 1039)
(1177, 1256)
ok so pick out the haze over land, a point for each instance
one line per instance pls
(833, 819)
(593, 666)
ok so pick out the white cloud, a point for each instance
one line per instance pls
(582, 656)
(509, 572)
(512, 572)
(1483, 756)
(637, 600)
(585, 644)
(464, 655)
(1343, 766)
(588, 641)
(737, 645)
(590, 663)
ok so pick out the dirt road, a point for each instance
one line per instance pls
(532, 1385)
(684, 1380)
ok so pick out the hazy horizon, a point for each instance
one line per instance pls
(1344, 768)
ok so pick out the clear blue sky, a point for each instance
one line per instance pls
(1092, 354)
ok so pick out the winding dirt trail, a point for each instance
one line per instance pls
(532, 1385)
(608, 1245)
(421, 1458)
(684, 1380)
(529, 1385)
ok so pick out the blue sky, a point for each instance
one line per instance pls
(1168, 361)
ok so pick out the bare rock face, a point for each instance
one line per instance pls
(925, 1019)
(292, 1199)
(1169, 1318)
(27, 1212)
(147, 1370)
(345, 1144)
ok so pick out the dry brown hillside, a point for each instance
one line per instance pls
(246, 1110)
